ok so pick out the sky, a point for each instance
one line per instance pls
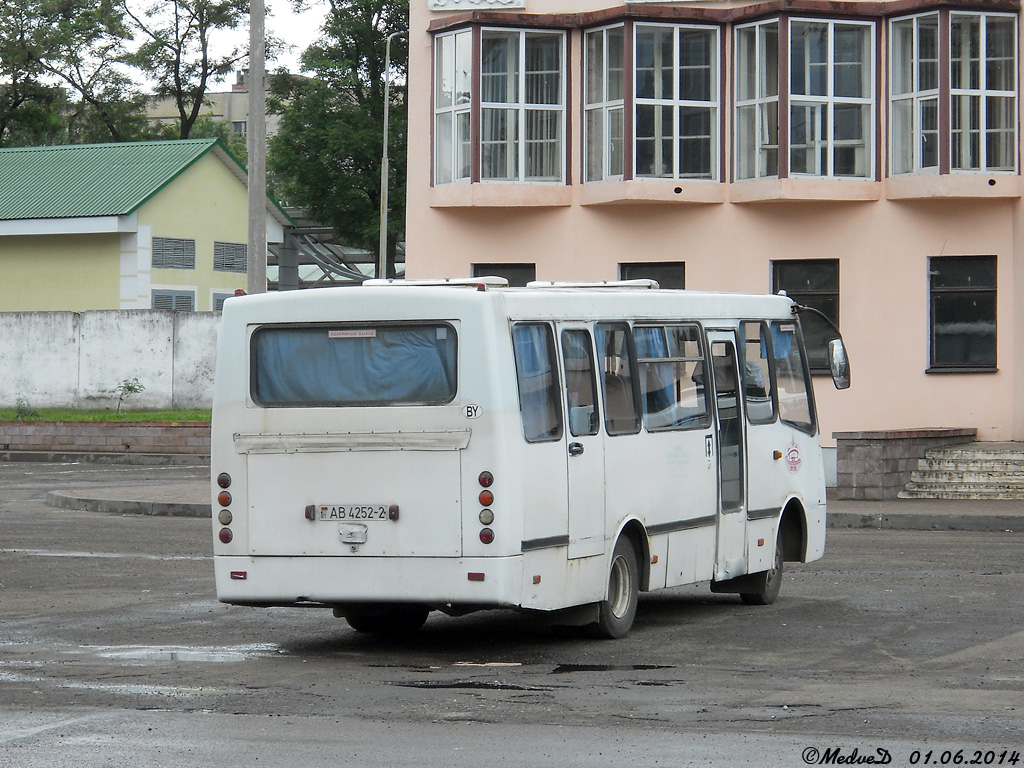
(296, 29)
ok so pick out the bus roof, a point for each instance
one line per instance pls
(404, 301)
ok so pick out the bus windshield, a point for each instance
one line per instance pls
(333, 365)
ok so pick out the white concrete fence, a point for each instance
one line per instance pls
(78, 360)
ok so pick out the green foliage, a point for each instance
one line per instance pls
(326, 156)
(128, 387)
(176, 49)
(23, 411)
(75, 415)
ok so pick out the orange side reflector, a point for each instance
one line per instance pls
(760, 542)
(654, 560)
(536, 579)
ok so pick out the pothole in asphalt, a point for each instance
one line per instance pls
(188, 654)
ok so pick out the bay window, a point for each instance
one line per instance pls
(517, 134)
(665, 125)
(971, 90)
(822, 119)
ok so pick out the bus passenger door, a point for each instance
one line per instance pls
(584, 444)
(730, 560)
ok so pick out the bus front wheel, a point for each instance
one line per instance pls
(616, 613)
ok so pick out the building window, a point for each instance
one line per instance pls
(983, 106)
(453, 70)
(914, 73)
(230, 257)
(605, 103)
(518, 275)
(757, 100)
(963, 313)
(522, 105)
(519, 128)
(219, 299)
(239, 128)
(831, 110)
(178, 301)
(669, 274)
(813, 283)
(676, 90)
(674, 73)
(981, 98)
(174, 253)
(827, 130)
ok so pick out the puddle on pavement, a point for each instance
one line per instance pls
(188, 654)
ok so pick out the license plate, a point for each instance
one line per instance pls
(360, 512)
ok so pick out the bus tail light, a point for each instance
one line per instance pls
(486, 535)
(486, 498)
(224, 480)
(226, 535)
(486, 479)
(224, 498)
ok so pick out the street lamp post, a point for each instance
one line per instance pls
(382, 255)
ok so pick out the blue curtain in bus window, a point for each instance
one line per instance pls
(782, 340)
(359, 366)
(539, 403)
(655, 378)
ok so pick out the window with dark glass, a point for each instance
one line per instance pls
(617, 363)
(758, 391)
(353, 365)
(814, 283)
(670, 360)
(536, 373)
(963, 313)
(518, 275)
(669, 274)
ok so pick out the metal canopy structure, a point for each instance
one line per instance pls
(312, 256)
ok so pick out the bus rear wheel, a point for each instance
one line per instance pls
(768, 583)
(387, 619)
(616, 613)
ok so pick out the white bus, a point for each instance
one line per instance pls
(393, 449)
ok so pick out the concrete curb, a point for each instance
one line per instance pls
(66, 500)
(914, 521)
(101, 457)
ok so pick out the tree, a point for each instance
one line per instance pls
(63, 76)
(326, 156)
(176, 49)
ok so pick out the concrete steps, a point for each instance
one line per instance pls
(974, 471)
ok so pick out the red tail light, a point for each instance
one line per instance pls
(224, 498)
(486, 535)
(486, 479)
(224, 480)
(486, 498)
(225, 535)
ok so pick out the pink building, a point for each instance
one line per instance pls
(862, 156)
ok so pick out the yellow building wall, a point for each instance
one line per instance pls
(206, 203)
(59, 272)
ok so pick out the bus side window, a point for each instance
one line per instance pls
(791, 377)
(621, 409)
(669, 360)
(580, 386)
(539, 404)
(758, 395)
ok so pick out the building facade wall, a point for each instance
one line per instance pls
(207, 204)
(883, 230)
(73, 272)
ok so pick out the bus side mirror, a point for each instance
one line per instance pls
(839, 363)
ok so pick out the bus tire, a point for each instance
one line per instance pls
(390, 620)
(768, 583)
(616, 613)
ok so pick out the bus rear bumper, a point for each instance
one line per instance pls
(332, 581)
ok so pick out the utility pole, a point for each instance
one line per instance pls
(256, 135)
(382, 255)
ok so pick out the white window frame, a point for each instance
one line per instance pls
(516, 131)
(916, 99)
(677, 104)
(761, 102)
(983, 93)
(824, 106)
(450, 166)
(604, 111)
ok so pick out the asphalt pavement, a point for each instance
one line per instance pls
(192, 499)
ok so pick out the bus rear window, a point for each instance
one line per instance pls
(353, 365)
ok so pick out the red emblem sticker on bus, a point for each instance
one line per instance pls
(793, 459)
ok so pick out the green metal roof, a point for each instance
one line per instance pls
(84, 180)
